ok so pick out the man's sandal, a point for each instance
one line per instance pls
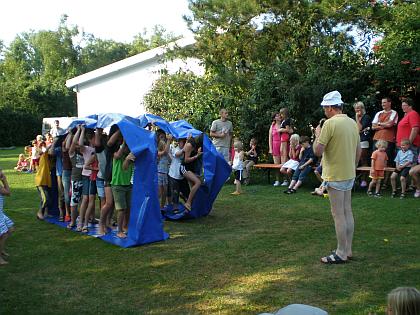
(333, 259)
(348, 257)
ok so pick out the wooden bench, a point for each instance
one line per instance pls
(367, 169)
(268, 167)
(362, 169)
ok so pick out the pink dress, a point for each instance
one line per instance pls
(275, 140)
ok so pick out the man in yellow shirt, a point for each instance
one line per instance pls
(338, 143)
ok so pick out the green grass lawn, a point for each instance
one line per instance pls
(254, 253)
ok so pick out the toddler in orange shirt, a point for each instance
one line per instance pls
(377, 169)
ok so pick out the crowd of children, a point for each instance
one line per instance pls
(89, 164)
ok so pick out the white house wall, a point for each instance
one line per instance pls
(123, 91)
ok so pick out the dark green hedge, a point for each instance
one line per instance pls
(18, 128)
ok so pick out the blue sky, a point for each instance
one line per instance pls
(117, 20)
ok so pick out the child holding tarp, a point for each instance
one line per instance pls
(163, 168)
(177, 183)
(121, 188)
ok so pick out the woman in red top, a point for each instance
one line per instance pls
(408, 127)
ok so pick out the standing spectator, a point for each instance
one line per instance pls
(222, 130)
(384, 124)
(285, 131)
(238, 166)
(339, 144)
(408, 127)
(56, 130)
(274, 142)
(364, 124)
(251, 160)
(415, 176)
(43, 180)
(377, 168)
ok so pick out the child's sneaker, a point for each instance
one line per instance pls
(378, 195)
(276, 183)
(417, 193)
(363, 184)
(285, 183)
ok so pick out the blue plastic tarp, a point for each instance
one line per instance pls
(146, 221)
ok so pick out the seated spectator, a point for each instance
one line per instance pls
(35, 154)
(404, 301)
(403, 163)
(22, 164)
(307, 158)
(415, 176)
(292, 164)
(322, 189)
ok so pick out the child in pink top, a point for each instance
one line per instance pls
(377, 169)
(294, 149)
(22, 164)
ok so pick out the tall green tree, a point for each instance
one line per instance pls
(396, 55)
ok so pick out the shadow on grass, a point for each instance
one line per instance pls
(254, 253)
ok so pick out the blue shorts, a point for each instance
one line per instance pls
(343, 185)
(89, 186)
(162, 179)
(100, 187)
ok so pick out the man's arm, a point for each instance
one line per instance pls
(318, 147)
(413, 134)
(358, 153)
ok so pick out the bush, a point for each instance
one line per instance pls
(18, 128)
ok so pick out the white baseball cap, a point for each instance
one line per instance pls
(332, 98)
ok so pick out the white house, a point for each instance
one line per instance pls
(121, 86)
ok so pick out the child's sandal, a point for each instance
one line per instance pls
(71, 226)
